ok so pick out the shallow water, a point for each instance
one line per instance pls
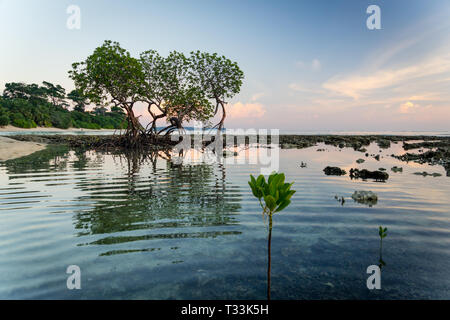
(150, 229)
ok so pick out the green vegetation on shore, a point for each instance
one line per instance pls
(30, 105)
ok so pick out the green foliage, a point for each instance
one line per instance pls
(18, 120)
(109, 75)
(382, 232)
(61, 120)
(219, 77)
(79, 99)
(176, 86)
(275, 192)
(26, 106)
(32, 92)
(55, 93)
(4, 119)
(170, 87)
(4, 115)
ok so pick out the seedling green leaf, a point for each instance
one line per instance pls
(275, 192)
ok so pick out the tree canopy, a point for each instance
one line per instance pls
(111, 76)
(178, 88)
(31, 105)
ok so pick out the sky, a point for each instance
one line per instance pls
(308, 65)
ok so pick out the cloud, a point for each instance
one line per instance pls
(357, 86)
(408, 107)
(299, 64)
(257, 96)
(316, 65)
(295, 86)
(241, 110)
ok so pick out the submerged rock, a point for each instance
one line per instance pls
(334, 171)
(397, 169)
(365, 197)
(366, 174)
(227, 153)
(341, 199)
(383, 143)
(424, 173)
(288, 146)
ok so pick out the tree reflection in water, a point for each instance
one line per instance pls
(168, 200)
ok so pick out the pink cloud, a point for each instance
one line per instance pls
(241, 110)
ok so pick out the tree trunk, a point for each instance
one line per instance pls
(133, 124)
(155, 118)
(269, 259)
(224, 115)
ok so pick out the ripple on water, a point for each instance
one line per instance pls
(154, 230)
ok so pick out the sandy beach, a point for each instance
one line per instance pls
(12, 149)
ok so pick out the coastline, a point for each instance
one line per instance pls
(10, 128)
(432, 149)
(37, 130)
(13, 149)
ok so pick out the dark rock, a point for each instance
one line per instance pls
(383, 143)
(334, 171)
(365, 197)
(366, 174)
(441, 156)
(424, 173)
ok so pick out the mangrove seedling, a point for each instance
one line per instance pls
(382, 232)
(275, 192)
(276, 195)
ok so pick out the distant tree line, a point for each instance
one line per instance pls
(47, 105)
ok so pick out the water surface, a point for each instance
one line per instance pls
(146, 228)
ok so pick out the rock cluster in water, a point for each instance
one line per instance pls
(441, 156)
(334, 171)
(424, 173)
(365, 197)
(384, 143)
(366, 174)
